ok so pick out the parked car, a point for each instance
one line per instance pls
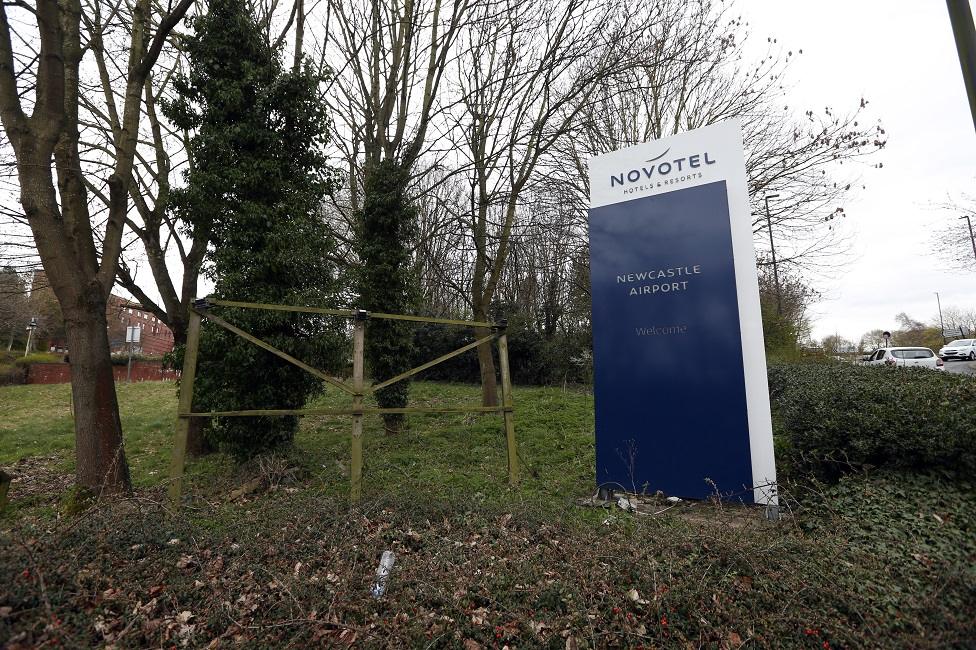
(959, 349)
(920, 357)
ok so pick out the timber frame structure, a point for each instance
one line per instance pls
(357, 390)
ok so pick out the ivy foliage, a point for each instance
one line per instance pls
(257, 177)
(386, 280)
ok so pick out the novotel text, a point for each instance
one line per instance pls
(661, 169)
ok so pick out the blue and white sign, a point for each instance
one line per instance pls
(682, 403)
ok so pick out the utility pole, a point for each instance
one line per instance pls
(961, 17)
(129, 335)
(972, 238)
(941, 322)
(772, 250)
(30, 333)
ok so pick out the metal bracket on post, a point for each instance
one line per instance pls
(202, 305)
(500, 327)
(772, 512)
(360, 315)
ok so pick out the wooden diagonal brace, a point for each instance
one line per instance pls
(275, 351)
(449, 355)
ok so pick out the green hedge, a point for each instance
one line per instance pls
(834, 417)
(38, 357)
(122, 358)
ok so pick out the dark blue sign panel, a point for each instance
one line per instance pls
(672, 409)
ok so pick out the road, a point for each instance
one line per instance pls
(961, 367)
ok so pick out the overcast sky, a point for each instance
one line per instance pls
(900, 55)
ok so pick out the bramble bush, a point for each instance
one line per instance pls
(832, 417)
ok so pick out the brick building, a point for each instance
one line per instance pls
(155, 338)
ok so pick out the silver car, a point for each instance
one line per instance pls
(959, 349)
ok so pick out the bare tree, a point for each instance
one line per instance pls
(959, 322)
(46, 143)
(14, 312)
(528, 71)
(802, 158)
(388, 94)
(173, 252)
(952, 241)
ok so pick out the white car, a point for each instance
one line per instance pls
(959, 349)
(919, 357)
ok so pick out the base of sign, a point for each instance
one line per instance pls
(772, 513)
(605, 493)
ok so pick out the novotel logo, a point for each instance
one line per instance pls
(661, 168)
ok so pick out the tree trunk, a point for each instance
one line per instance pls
(5, 480)
(486, 363)
(486, 366)
(99, 451)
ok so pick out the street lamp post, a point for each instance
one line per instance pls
(772, 250)
(941, 322)
(972, 238)
(30, 332)
(961, 17)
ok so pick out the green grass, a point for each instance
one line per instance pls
(35, 420)
(459, 453)
(464, 453)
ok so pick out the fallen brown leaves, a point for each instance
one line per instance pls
(297, 571)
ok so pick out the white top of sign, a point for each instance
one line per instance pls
(711, 153)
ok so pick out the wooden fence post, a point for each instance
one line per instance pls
(513, 469)
(356, 464)
(185, 406)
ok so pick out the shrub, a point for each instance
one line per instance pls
(38, 357)
(836, 416)
(122, 358)
(533, 358)
(11, 374)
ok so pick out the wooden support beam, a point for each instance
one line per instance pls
(345, 313)
(440, 359)
(426, 319)
(348, 313)
(509, 417)
(185, 406)
(356, 461)
(357, 390)
(284, 355)
(409, 410)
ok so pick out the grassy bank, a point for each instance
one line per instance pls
(449, 452)
(877, 560)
